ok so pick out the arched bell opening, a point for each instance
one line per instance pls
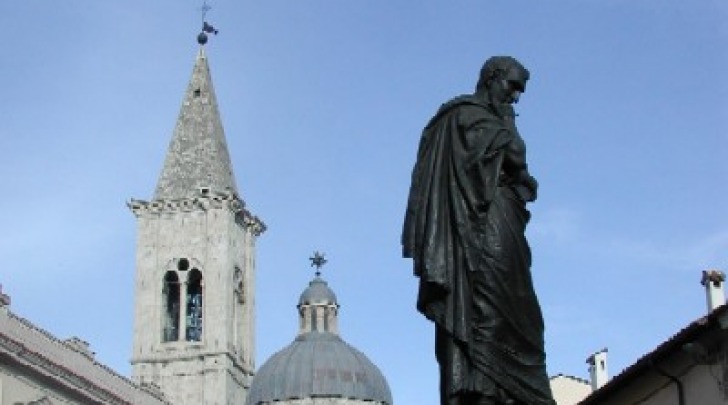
(194, 303)
(170, 309)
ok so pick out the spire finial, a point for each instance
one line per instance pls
(205, 8)
(318, 260)
(206, 28)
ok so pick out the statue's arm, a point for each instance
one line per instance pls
(515, 165)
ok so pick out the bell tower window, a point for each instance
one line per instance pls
(170, 294)
(194, 306)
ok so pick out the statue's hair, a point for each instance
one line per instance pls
(496, 64)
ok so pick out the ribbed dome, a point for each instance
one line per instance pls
(319, 364)
(318, 292)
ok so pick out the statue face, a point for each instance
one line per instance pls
(507, 88)
(506, 91)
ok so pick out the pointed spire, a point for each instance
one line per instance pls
(198, 157)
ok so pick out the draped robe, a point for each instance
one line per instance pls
(464, 228)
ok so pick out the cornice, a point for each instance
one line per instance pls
(63, 376)
(202, 203)
(185, 356)
(25, 355)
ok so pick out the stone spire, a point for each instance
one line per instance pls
(197, 161)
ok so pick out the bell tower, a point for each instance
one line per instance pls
(195, 264)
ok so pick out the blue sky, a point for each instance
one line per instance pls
(323, 103)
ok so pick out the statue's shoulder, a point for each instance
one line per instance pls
(466, 100)
(466, 104)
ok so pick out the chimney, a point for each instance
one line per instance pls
(598, 369)
(4, 299)
(714, 294)
(80, 346)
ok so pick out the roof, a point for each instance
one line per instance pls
(319, 364)
(673, 345)
(67, 365)
(569, 377)
(198, 156)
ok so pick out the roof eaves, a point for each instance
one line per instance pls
(664, 350)
(570, 377)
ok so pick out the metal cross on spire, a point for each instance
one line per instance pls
(205, 8)
(206, 27)
(318, 260)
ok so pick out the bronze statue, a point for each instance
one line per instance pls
(464, 228)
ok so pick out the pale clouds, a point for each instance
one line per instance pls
(680, 252)
(559, 226)
(565, 229)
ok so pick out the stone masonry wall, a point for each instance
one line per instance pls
(213, 235)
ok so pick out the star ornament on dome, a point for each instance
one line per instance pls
(318, 260)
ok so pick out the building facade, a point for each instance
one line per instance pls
(36, 368)
(569, 390)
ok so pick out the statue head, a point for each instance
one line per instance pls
(503, 79)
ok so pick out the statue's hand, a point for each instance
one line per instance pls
(528, 187)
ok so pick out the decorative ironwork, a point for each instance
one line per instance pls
(206, 27)
(318, 260)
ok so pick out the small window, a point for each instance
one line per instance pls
(183, 264)
(238, 285)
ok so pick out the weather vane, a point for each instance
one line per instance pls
(206, 28)
(318, 260)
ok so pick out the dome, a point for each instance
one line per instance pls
(318, 292)
(318, 364)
